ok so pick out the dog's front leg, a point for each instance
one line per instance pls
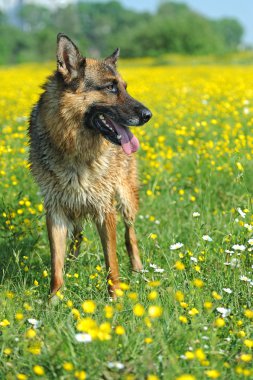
(107, 232)
(57, 234)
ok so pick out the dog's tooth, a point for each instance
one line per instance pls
(118, 137)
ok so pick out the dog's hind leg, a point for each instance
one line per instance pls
(107, 232)
(57, 234)
(76, 241)
(129, 202)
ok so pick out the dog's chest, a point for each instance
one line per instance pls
(87, 189)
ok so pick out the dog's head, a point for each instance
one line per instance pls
(109, 109)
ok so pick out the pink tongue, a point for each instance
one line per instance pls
(129, 142)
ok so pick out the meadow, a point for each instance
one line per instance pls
(189, 315)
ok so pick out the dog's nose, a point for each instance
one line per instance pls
(146, 115)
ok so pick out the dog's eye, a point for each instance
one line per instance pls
(112, 88)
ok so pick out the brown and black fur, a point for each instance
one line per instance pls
(80, 172)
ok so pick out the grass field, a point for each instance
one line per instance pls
(189, 315)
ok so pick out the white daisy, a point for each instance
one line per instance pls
(159, 270)
(228, 290)
(117, 365)
(243, 214)
(83, 338)
(196, 214)
(224, 312)
(207, 238)
(245, 278)
(176, 246)
(248, 226)
(34, 322)
(238, 247)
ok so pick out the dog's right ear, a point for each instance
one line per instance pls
(69, 59)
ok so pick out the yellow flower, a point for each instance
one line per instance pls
(216, 295)
(59, 295)
(19, 316)
(152, 377)
(153, 236)
(30, 334)
(154, 284)
(248, 343)
(200, 355)
(80, 375)
(212, 373)
(152, 295)
(132, 296)
(69, 303)
(119, 330)
(246, 357)
(189, 355)
(148, 340)
(208, 305)
(183, 319)
(108, 311)
(21, 376)
(68, 366)
(40, 207)
(239, 167)
(148, 322)
(27, 307)
(198, 283)
(104, 332)
(89, 307)
(138, 310)
(248, 313)
(38, 370)
(124, 286)
(44, 273)
(219, 322)
(35, 282)
(119, 292)
(193, 311)
(179, 265)
(179, 296)
(241, 334)
(155, 311)
(86, 325)
(4, 323)
(35, 349)
(186, 377)
(7, 351)
(76, 313)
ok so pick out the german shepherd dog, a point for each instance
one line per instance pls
(81, 155)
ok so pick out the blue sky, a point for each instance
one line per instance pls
(240, 9)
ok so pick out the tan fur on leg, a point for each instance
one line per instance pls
(107, 232)
(57, 234)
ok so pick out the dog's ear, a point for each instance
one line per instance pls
(112, 59)
(69, 59)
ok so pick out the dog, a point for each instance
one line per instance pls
(81, 155)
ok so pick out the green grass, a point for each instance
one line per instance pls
(171, 190)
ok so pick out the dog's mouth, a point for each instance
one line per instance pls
(116, 133)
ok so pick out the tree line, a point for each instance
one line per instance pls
(100, 27)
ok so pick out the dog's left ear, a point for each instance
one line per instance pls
(69, 59)
(112, 59)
